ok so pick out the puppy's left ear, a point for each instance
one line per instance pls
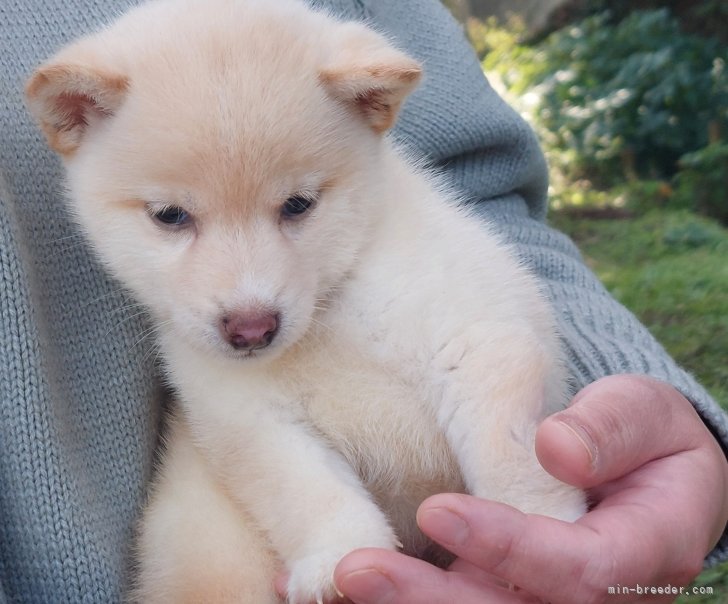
(369, 75)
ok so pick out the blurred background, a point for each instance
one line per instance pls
(630, 101)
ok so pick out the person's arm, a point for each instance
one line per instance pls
(78, 415)
(601, 337)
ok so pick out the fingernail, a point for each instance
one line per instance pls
(445, 526)
(582, 436)
(367, 585)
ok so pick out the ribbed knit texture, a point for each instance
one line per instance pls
(77, 420)
(78, 411)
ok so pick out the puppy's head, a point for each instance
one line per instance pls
(223, 156)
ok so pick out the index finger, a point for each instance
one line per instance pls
(623, 543)
(542, 555)
(375, 576)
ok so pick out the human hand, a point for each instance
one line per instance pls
(659, 481)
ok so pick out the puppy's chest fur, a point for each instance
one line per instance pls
(371, 411)
(374, 411)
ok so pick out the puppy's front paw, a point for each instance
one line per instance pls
(311, 579)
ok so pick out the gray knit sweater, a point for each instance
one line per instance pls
(78, 395)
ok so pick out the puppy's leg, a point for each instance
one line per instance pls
(196, 546)
(305, 496)
(496, 383)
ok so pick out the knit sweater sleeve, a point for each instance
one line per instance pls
(489, 153)
(77, 419)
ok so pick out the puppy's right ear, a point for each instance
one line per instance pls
(67, 99)
(369, 75)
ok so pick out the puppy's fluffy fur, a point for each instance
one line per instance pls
(413, 354)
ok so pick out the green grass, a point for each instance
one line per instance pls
(671, 269)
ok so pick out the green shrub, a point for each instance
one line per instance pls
(619, 100)
(705, 17)
(700, 184)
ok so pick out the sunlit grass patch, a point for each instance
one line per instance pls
(671, 269)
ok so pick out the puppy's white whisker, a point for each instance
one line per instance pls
(106, 296)
(124, 321)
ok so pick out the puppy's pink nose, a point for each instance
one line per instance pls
(249, 330)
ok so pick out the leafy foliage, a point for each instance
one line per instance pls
(619, 100)
(704, 17)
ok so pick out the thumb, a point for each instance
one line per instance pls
(613, 427)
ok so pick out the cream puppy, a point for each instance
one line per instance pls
(343, 338)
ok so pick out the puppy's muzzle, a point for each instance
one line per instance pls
(250, 330)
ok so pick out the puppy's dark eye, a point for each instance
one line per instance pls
(296, 205)
(172, 216)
